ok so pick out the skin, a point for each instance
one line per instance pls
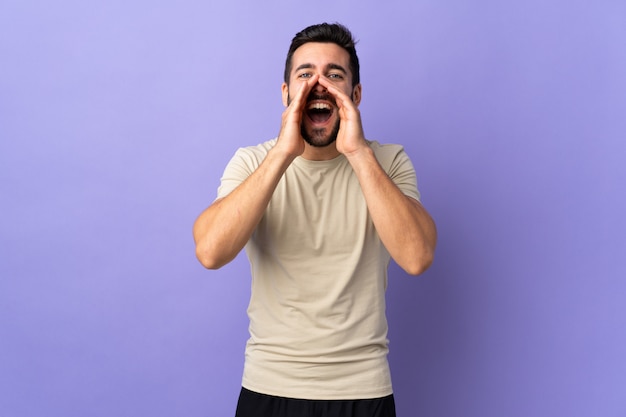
(224, 228)
(307, 60)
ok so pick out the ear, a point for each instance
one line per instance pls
(285, 92)
(356, 94)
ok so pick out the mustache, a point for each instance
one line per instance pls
(325, 97)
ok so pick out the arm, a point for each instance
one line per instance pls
(404, 226)
(223, 229)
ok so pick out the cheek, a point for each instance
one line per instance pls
(295, 87)
(293, 90)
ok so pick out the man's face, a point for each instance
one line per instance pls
(320, 118)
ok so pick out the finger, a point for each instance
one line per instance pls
(344, 103)
(336, 93)
(299, 99)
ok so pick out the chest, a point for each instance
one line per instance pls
(317, 212)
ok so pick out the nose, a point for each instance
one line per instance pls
(319, 88)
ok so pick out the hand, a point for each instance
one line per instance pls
(350, 139)
(290, 138)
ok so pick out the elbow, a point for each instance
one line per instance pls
(422, 254)
(208, 258)
(419, 264)
(207, 261)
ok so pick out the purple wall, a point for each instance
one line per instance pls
(117, 118)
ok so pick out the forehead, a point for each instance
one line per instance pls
(320, 55)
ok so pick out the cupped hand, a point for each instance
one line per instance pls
(290, 138)
(350, 139)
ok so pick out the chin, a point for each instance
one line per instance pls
(319, 142)
(320, 138)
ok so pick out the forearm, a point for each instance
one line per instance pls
(404, 226)
(224, 228)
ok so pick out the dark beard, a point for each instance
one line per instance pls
(317, 138)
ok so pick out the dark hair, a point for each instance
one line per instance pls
(326, 33)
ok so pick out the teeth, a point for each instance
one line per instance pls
(319, 106)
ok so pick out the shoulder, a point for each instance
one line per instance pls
(243, 163)
(389, 154)
(397, 164)
(256, 152)
(384, 147)
(252, 156)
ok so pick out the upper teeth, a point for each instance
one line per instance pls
(319, 106)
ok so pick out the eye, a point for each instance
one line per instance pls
(335, 76)
(305, 75)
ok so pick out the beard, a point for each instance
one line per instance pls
(318, 137)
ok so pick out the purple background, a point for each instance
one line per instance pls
(116, 121)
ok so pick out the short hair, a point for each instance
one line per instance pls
(326, 33)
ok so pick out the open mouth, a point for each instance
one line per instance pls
(319, 112)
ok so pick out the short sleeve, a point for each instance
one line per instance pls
(241, 166)
(397, 164)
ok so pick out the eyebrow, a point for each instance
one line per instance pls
(328, 67)
(337, 67)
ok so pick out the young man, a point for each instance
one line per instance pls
(320, 211)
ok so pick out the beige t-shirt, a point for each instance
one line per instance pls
(318, 328)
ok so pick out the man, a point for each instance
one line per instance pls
(320, 211)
